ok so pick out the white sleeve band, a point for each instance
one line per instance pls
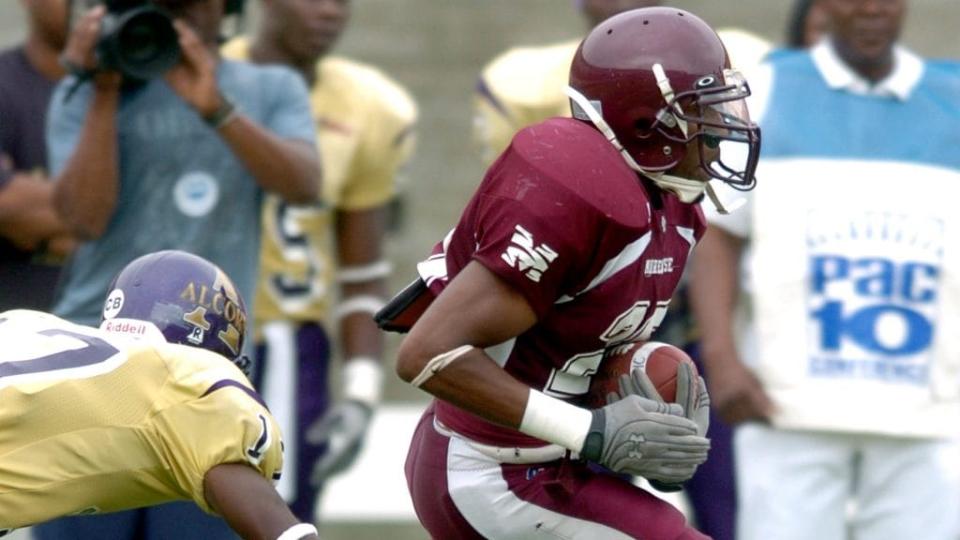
(554, 420)
(368, 272)
(298, 531)
(361, 303)
(363, 380)
(439, 362)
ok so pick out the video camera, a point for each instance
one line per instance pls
(137, 38)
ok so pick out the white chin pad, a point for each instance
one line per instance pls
(439, 362)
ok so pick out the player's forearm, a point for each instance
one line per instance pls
(289, 168)
(85, 192)
(248, 502)
(362, 273)
(444, 355)
(362, 345)
(475, 383)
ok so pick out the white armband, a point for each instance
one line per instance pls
(298, 531)
(363, 380)
(439, 362)
(361, 274)
(554, 420)
(360, 303)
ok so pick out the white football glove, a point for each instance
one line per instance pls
(692, 394)
(343, 430)
(692, 397)
(644, 437)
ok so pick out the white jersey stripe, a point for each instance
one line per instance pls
(484, 499)
(687, 234)
(630, 254)
(277, 389)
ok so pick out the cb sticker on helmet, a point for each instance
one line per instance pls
(113, 305)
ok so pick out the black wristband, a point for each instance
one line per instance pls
(593, 444)
(224, 113)
(664, 487)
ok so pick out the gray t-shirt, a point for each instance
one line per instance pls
(181, 187)
(26, 279)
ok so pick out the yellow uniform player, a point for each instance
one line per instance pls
(322, 266)
(518, 88)
(95, 422)
(149, 408)
(365, 134)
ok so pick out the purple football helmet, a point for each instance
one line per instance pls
(188, 298)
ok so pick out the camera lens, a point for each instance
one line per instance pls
(138, 43)
(141, 43)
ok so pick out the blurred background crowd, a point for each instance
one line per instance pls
(431, 56)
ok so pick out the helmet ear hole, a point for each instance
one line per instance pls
(642, 127)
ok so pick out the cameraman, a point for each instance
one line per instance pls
(170, 163)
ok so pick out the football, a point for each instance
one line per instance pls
(659, 360)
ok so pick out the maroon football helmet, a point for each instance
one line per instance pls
(658, 78)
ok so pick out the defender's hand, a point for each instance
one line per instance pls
(645, 437)
(342, 429)
(194, 78)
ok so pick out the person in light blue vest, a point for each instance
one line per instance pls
(841, 369)
(175, 162)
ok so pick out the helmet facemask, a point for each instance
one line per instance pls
(723, 125)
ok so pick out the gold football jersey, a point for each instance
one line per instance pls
(95, 422)
(524, 86)
(365, 135)
(520, 87)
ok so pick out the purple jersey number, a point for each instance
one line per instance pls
(96, 351)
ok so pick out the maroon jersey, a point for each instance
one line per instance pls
(597, 254)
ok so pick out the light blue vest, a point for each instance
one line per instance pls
(837, 124)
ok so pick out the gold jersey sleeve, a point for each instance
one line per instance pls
(227, 425)
(92, 422)
(520, 87)
(365, 125)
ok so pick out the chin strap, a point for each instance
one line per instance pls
(685, 189)
(585, 110)
(672, 118)
(721, 208)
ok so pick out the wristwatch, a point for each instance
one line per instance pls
(224, 114)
